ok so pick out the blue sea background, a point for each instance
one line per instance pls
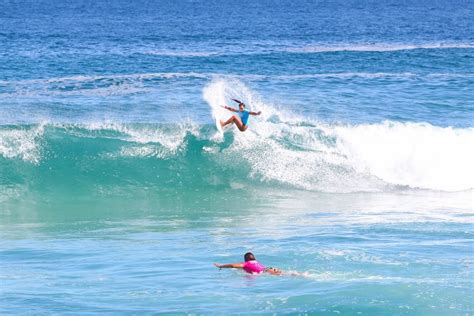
(117, 193)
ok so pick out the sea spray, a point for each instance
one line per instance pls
(21, 142)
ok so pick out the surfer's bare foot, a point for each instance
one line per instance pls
(222, 123)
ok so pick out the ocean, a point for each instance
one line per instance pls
(117, 192)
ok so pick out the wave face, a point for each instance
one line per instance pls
(279, 149)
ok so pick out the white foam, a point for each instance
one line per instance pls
(376, 47)
(177, 53)
(22, 143)
(418, 155)
(161, 142)
(347, 277)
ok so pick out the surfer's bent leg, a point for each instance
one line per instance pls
(235, 119)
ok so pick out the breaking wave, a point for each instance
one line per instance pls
(278, 149)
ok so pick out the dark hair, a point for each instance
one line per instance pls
(249, 256)
(239, 102)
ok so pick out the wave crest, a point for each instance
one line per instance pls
(279, 148)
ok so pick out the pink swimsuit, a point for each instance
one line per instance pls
(253, 267)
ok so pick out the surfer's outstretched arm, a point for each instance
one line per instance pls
(229, 108)
(255, 113)
(229, 265)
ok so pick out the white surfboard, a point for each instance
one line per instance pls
(218, 125)
(221, 114)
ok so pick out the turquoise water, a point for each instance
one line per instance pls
(117, 194)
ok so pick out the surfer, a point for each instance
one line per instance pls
(242, 119)
(251, 265)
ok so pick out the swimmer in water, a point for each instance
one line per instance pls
(242, 119)
(251, 265)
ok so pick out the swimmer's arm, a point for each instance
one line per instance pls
(229, 265)
(229, 108)
(274, 271)
(255, 113)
